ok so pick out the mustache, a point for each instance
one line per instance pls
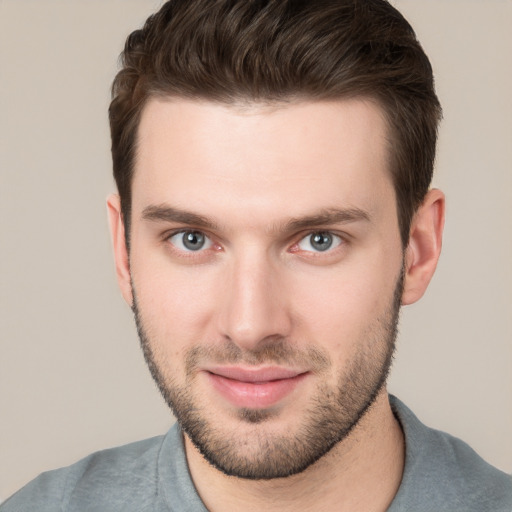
(272, 350)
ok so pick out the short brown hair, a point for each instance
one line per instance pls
(282, 50)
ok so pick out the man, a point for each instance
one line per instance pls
(273, 162)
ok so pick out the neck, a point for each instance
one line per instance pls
(371, 457)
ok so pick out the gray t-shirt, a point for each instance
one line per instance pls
(441, 474)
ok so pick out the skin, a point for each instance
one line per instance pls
(259, 176)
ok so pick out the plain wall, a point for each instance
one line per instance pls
(72, 377)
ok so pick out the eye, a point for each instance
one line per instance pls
(190, 241)
(319, 241)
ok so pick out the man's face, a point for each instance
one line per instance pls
(266, 267)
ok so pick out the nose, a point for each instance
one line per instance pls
(254, 305)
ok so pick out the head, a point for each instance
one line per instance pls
(273, 161)
(234, 52)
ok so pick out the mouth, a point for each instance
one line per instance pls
(254, 388)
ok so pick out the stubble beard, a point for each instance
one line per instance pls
(329, 419)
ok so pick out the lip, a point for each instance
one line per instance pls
(254, 388)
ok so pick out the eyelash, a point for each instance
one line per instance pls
(338, 239)
(191, 255)
(334, 238)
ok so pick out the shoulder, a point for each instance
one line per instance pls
(115, 476)
(444, 473)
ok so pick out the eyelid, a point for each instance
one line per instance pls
(169, 235)
(341, 238)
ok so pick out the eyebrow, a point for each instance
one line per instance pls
(328, 217)
(169, 214)
(324, 217)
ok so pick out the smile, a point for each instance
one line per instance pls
(254, 389)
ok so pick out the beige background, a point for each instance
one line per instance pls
(72, 379)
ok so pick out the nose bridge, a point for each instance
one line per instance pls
(253, 307)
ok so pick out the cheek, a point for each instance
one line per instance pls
(338, 309)
(175, 303)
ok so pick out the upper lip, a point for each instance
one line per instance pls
(254, 375)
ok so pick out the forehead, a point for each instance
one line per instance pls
(261, 157)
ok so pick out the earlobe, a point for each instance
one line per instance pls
(121, 257)
(424, 246)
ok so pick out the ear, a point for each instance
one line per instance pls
(121, 258)
(424, 248)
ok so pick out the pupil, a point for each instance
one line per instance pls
(321, 241)
(193, 240)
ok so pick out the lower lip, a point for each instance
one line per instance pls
(254, 395)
